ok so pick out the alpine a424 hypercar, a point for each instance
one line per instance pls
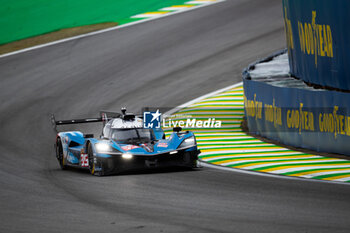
(124, 145)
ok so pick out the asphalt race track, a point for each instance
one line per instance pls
(164, 62)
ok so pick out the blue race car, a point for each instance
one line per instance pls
(124, 145)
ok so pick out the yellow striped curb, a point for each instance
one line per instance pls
(174, 8)
(229, 146)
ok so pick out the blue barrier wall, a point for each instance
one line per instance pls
(318, 39)
(318, 120)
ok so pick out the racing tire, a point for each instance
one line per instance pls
(191, 160)
(193, 164)
(92, 166)
(59, 154)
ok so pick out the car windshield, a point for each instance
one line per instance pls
(131, 136)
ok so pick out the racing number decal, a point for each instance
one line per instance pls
(84, 160)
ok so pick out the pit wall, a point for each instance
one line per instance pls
(318, 39)
(302, 117)
(21, 19)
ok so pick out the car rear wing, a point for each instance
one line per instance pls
(104, 118)
(77, 121)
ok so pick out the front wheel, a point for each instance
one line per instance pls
(59, 154)
(92, 163)
(91, 160)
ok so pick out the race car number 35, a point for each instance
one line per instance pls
(84, 160)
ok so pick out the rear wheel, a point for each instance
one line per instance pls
(59, 154)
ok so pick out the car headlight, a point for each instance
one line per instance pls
(127, 156)
(103, 147)
(188, 142)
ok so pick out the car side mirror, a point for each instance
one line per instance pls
(88, 135)
(177, 129)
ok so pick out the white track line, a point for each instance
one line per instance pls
(247, 156)
(324, 173)
(263, 160)
(291, 163)
(295, 169)
(149, 15)
(265, 174)
(105, 30)
(175, 8)
(343, 179)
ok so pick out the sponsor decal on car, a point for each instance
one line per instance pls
(162, 144)
(148, 148)
(129, 147)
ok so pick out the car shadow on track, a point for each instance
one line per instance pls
(147, 171)
(156, 171)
